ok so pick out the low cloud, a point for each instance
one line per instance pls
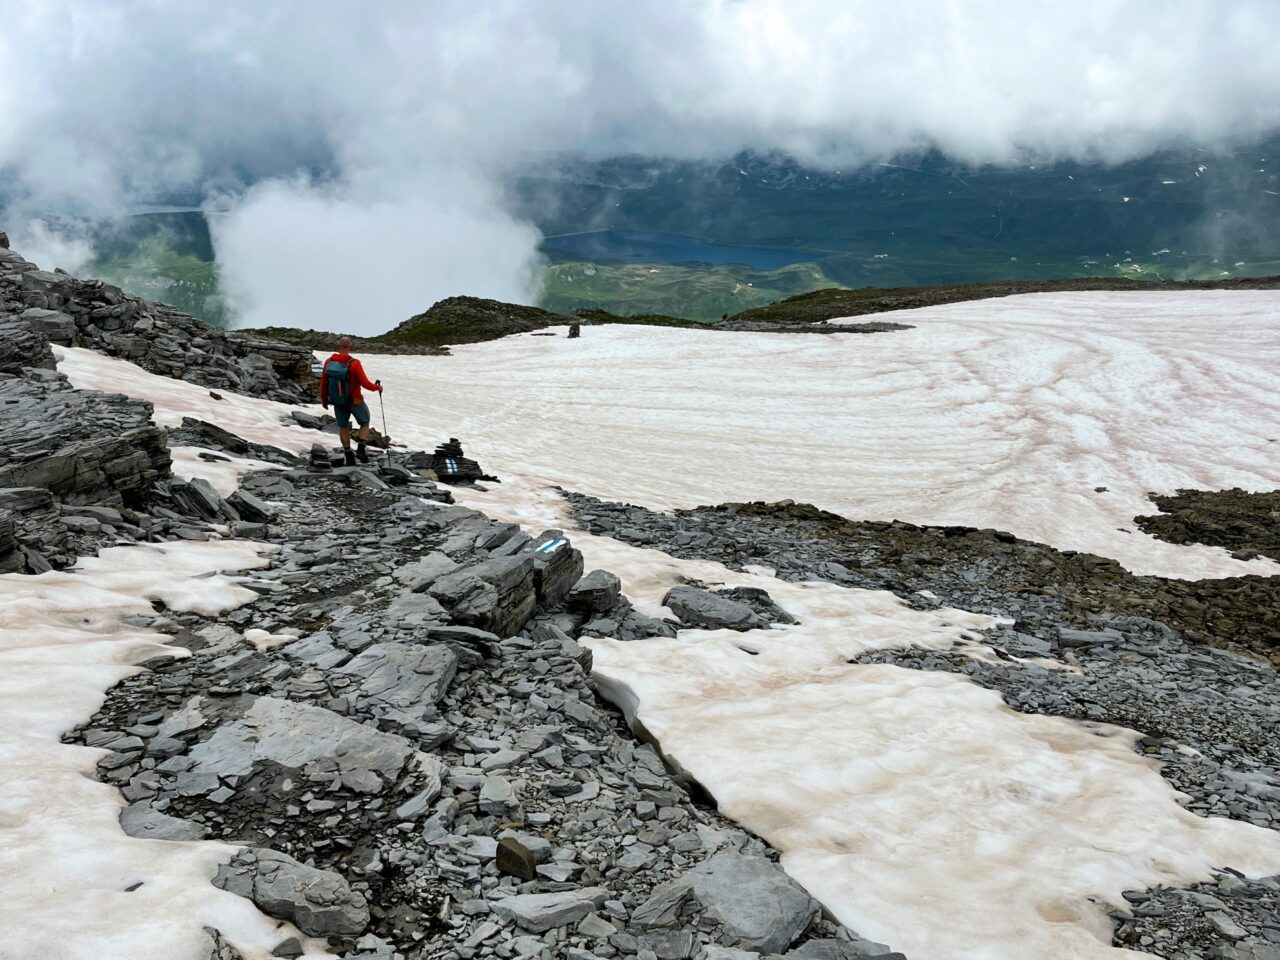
(342, 139)
(330, 258)
(52, 247)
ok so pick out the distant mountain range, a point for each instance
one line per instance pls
(699, 240)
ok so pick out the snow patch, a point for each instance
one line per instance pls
(73, 885)
(223, 474)
(915, 805)
(258, 421)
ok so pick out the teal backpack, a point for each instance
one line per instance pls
(338, 382)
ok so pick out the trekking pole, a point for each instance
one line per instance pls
(383, 407)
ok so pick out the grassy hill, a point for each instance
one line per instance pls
(155, 270)
(700, 292)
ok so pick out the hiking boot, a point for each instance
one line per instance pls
(362, 453)
(349, 456)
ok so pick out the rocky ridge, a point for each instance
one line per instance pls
(1246, 523)
(39, 307)
(460, 320)
(828, 304)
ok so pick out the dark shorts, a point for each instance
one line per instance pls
(344, 414)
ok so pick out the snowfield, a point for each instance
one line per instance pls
(915, 805)
(1003, 413)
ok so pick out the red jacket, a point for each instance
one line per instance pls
(355, 373)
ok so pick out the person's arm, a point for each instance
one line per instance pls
(364, 377)
(324, 386)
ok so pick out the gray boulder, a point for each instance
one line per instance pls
(251, 508)
(758, 905)
(705, 610)
(598, 592)
(319, 902)
(557, 566)
(197, 498)
(23, 345)
(56, 326)
(497, 595)
(307, 420)
(759, 601)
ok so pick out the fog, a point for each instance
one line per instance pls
(357, 159)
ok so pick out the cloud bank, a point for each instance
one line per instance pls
(357, 153)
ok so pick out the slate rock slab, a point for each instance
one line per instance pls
(539, 912)
(306, 738)
(705, 610)
(141, 820)
(319, 902)
(598, 592)
(759, 906)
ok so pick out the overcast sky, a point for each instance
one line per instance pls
(360, 149)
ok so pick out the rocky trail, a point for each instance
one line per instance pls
(402, 733)
(399, 735)
(396, 734)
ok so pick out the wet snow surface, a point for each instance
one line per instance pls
(75, 886)
(995, 413)
(915, 805)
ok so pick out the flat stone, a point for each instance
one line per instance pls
(424, 571)
(143, 821)
(1226, 926)
(705, 610)
(403, 676)
(759, 906)
(539, 912)
(415, 610)
(596, 927)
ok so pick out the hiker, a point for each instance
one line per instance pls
(340, 383)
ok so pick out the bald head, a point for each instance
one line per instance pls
(344, 344)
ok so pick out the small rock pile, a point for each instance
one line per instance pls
(449, 464)
(1232, 918)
